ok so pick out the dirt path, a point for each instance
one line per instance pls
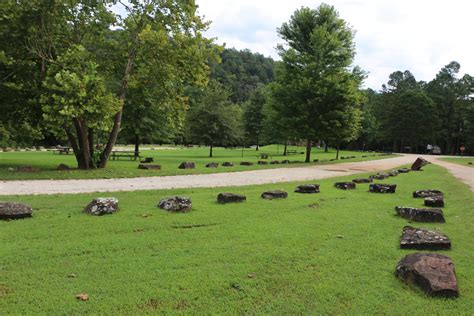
(202, 180)
(465, 174)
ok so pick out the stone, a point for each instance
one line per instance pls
(419, 163)
(345, 185)
(212, 165)
(382, 188)
(227, 164)
(149, 167)
(224, 198)
(433, 273)
(379, 176)
(62, 167)
(274, 194)
(307, 188)
(261, 162)
(187, 165)
(315, 160)
(14, 210)
(176, 204)
(393, 173)
(27, 169)
(403, 170)
(434, 201)
(285, 162)
(421, 214)
(427, 193)
(246, 163)
(147, 160)
(423, 239)
(274, 162)
(362, 180)
(102, 206)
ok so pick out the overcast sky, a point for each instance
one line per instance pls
(418, 35)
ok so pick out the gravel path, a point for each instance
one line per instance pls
(24, 187)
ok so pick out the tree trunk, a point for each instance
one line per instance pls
(308, 151)
(90, 132)
(326, 146)
(210, 151)
(285, 149)
(257, 144)
(137, 146)
(337, 151)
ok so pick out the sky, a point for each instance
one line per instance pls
(417, 35)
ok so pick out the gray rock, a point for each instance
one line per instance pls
(224, 198)
(307, 188)
(227, 164)
(62, 167)
(423, 239)
(246, 163)
(379, 176)
(274, 194)
(274, 162)
(149, 167)
(382, 188)
(102, 206)
(434, 201)
(176, 204)
(419, 163)
(434, 273)
(345, 185)
(14, 210)
(362, 180)
(212, 165)
(427, 193)
(187, 165)
(393, 173)
(421, 214)
(403, 170)
(147, 160)
(261, 162)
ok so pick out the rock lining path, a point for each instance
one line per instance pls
(34, 187)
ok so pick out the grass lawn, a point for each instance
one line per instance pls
(258, 257)
(47, 162)
(461, 161)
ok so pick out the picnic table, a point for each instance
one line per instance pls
(291, 151)
(62, 150)
(116, 154)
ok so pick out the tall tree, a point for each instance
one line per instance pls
(315, 74)
(213, 120)
(254, 115)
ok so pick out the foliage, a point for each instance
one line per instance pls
(254, 115)
(213, 119)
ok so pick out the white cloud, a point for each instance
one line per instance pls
(418, 35)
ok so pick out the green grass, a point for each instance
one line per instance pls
(144, 260)
(464, 161)
(47, 162)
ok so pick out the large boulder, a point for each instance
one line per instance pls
(434, 273)
(176, 204)
(434, 201)
(227, 164)
(149, 166)
(379, 176)
(423, 239)
(404, 170)
(345, 185)
(362, 180)
(102, 206)
(382, 188)
(14, 210)
(212, 165)
(224, 198)
(307, 188)
(246, 163)
(187, 165)
(421, 214)
(419, 163)
(274, 194)
(426, 193)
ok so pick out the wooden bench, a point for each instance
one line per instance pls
(61, 150)
(116, 154)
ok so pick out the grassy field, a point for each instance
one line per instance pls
(329, 253)
(464, 161)
(47, 162)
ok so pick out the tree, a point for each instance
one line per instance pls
(254, 115)
(213, 120)
(315, 75)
